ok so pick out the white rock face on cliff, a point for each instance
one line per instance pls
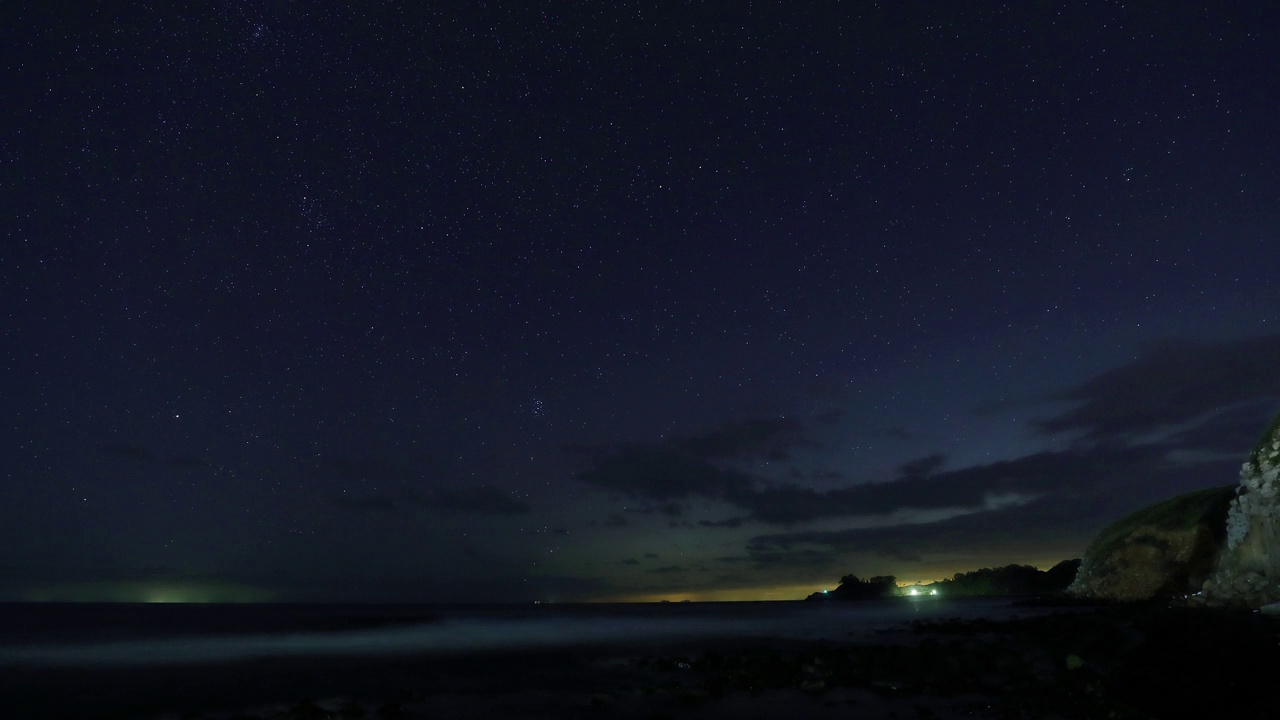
(1248, 569)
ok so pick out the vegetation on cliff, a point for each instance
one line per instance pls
(1180, 513)
(1165, 550)
(1010, 580)
(1007, 580)
(854, 588)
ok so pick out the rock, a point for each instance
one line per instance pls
(1223, 544)
(1247, 571)
(1166, 550)
(1060, 576)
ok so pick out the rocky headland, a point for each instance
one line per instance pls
(1247, 571)
(1214, 547)
(1164, 551)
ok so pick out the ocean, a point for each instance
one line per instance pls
(121, 634)
(168, 661)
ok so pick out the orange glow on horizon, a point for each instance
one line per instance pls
(794, 591)
(748, 594)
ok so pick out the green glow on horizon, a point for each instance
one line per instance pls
(148, 592)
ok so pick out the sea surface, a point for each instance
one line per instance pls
(168, 661)
(132, 635)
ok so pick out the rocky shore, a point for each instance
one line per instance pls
(1123, 661)
(1103, 662)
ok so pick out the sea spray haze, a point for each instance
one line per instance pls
(141, 635)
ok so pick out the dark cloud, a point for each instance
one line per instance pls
(764, 437)
(904, 556)
(1233, 430)
(765, 555)
(669, 569)
(733, 522)
(768, 438)
(681, 468)
(664, 473)
(1066, 518)
(670, 509)
(1046, 521)
(631, 561)
(661, 472)
(732, 559)
(479, 500)
(922, 467)
(1006, 482)
(412, 588)
(1170, 384)
(651, 556)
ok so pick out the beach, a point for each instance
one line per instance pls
(986, 661)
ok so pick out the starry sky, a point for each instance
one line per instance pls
(503, 301)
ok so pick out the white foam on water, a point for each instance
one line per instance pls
(461, 635)
(440, 637)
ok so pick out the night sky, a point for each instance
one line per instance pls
(461, 301)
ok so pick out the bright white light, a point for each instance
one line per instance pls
(934, 591)
(914, 591)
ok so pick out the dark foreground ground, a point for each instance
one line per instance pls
(1102, 662)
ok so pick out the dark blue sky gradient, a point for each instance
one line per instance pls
(521, 301)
